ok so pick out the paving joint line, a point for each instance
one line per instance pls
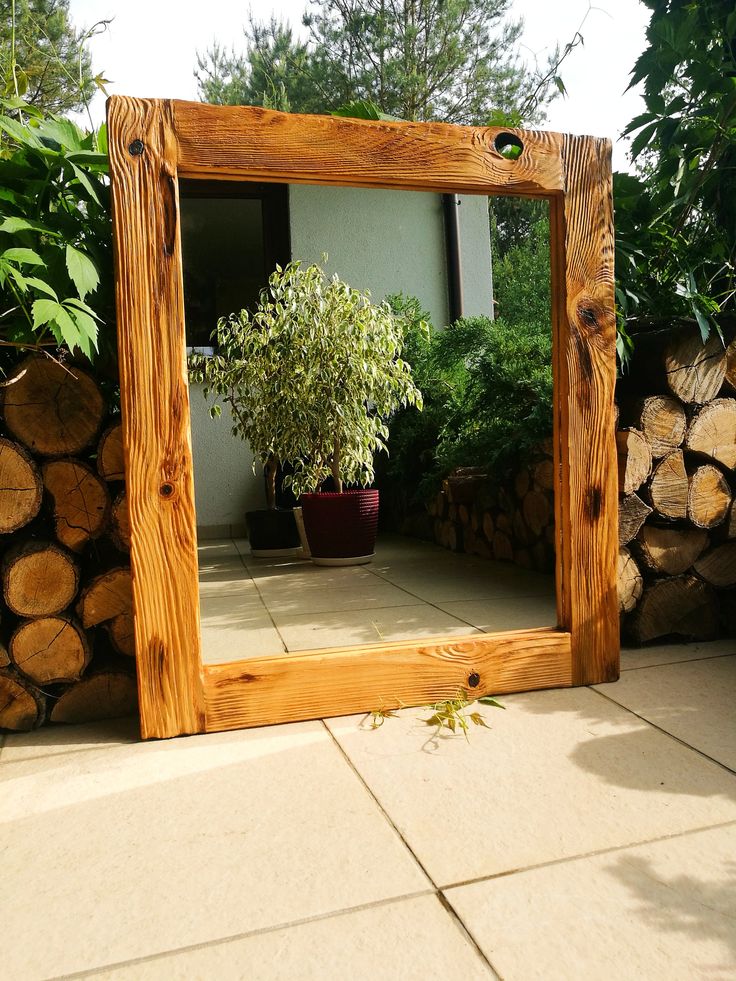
(677, 739)
(687, 660)
(566, 859)
(246, 935)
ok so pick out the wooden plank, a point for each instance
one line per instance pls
(319, 684)
(588, 370)
(259, 144)
(155, 415)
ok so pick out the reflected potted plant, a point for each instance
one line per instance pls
(322, 367)
(240, 373)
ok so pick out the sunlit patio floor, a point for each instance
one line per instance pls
(587, 834)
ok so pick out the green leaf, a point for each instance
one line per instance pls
(86, 326)
(14, 224)
(60, 131)
(19, 132)
(560, 85)
(41, 286)
(487, 700)
(25, 257)
(43, 311)
(86, 181)
(68, 327)
(82, 271)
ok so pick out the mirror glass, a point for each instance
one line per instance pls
(465, 538)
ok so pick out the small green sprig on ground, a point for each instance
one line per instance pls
(452, 714)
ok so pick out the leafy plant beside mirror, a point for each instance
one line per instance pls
(311, 378)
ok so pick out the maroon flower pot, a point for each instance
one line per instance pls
(341, 528)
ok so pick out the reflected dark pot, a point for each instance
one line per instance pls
(272, 531)
(341, 528)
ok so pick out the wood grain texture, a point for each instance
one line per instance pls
(259, 144)
(319, 684)
(585, 401)
(207, 142)
(155, 415)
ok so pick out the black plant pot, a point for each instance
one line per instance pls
(272, 532)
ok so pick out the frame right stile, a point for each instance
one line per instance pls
(152, 144)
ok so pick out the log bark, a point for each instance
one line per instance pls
(709, 497)
(630, 581)
(712, 432)
(54, 410)
(104, 695)
(22, 706)
(684, 606)
(632, 513)
(21, 489)
(731, 365)
(661, 420)
(634, 460)
(50, 650)
(39, 579)
(110, 457)
(718, 566)
(81, 502)
(695, 371)
(120, 523)
(107, 596)
(670, 551)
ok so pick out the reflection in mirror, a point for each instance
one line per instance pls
(466, 520)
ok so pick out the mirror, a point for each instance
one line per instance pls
(466, 519)
(156, 143)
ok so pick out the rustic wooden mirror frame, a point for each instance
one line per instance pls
(152, 144)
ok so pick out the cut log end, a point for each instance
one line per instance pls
(695, 371)
(630, 581)
(668, 487)
(105, 695)
(105, 597)
(39, 579)
(53, 409)
(684, 606)
(22, 706)
(634, 460)
(709, 497)
(81, 502)
(50, 650)
(21, 489)
(110, 457)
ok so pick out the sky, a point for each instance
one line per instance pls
(150, 49)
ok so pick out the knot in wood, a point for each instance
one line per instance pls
(166, 490)
(135, 149)
(474, 680)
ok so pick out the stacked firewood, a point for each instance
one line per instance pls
(513, 522)
(66, 627)
(677, 477)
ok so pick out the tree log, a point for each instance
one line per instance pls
(712, 432)
(632, 513)
(22, 706)
(50, 650)
(661, 419)
(685, 606)
(695, 371)
(104, 695)
(522, 483)
(670, 551)
(709, 497)
(522, 533)
(120, 523)
(718, 566)
(488, 526)
(105, 597)
(668, 487)
(502, 548)
(731, 365)
(39, 579)
(630, 581)
(81, 501)
(54, 410)
(110, 458)
(21, 489)
(634, 460)
(544, 474)
(537, 512)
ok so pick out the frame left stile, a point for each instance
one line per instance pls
(153, 143)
